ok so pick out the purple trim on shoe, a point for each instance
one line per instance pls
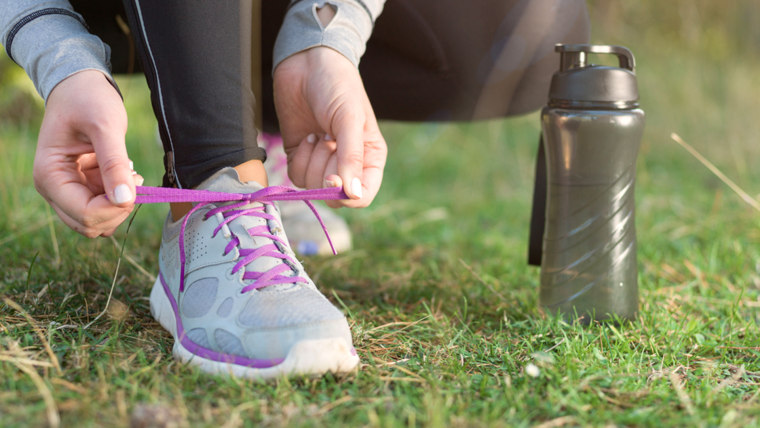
(208, 353)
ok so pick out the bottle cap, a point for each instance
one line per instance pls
(579, 84)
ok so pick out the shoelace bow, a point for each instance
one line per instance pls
(230, 212)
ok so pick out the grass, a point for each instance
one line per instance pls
(443, 308)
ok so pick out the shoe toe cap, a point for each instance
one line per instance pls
(276, 344)
(274, 321)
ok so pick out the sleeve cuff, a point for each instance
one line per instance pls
(347, 33)
(53, 47)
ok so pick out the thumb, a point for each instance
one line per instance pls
(115, 170)
(348, 133)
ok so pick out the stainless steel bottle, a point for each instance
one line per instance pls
(592, 129)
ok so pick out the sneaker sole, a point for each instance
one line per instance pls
(307, 357)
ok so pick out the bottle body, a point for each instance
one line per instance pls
(588, 265)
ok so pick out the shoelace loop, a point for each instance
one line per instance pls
(267, 195)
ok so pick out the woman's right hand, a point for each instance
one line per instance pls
(81, 166)
(317, 92)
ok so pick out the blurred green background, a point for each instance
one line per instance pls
(698, 72)
(437, 287)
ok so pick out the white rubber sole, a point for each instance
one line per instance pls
(308, 357)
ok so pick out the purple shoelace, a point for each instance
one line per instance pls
(237, 208)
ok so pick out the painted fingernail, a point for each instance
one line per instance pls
(329, 183)
(140, 181)
(311, 139)
(131, 166)
(328, 137)
(122, 194)
(356, 187)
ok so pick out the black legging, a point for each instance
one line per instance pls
(427, 60)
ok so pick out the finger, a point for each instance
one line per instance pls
(114, 165)
(94, 181)
(88, 161)
(91, 232)
(332, 179)
(375, 154)
(93, 226)
(315, 174)
(83, 206)
(138, 179)
(68, 221)
(348, 129)
(298, 163)
(371, 179)
(90, 172)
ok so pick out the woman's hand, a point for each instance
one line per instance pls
(329, 129)
(81, 166)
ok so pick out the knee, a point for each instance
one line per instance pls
(514, 77)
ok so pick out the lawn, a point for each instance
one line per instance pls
(442, 305)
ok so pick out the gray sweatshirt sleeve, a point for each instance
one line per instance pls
(48, 43)
(347, 33)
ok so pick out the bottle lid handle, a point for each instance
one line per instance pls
(575, 55)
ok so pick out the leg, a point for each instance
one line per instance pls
(197, 63)
(439, 60)
(495, 59)
(454, 60)
(108, 20)
(229, 289)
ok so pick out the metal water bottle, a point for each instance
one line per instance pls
(592, 128)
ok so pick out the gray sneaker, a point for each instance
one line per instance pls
(244, 305)
(305, 235)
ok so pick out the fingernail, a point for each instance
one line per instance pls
(311, 139)
(140, 181)
(356, 187)
(328, 137)
(329, 183)
(122, 194)
(131, 166)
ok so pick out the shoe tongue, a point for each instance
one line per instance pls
(227, 180)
